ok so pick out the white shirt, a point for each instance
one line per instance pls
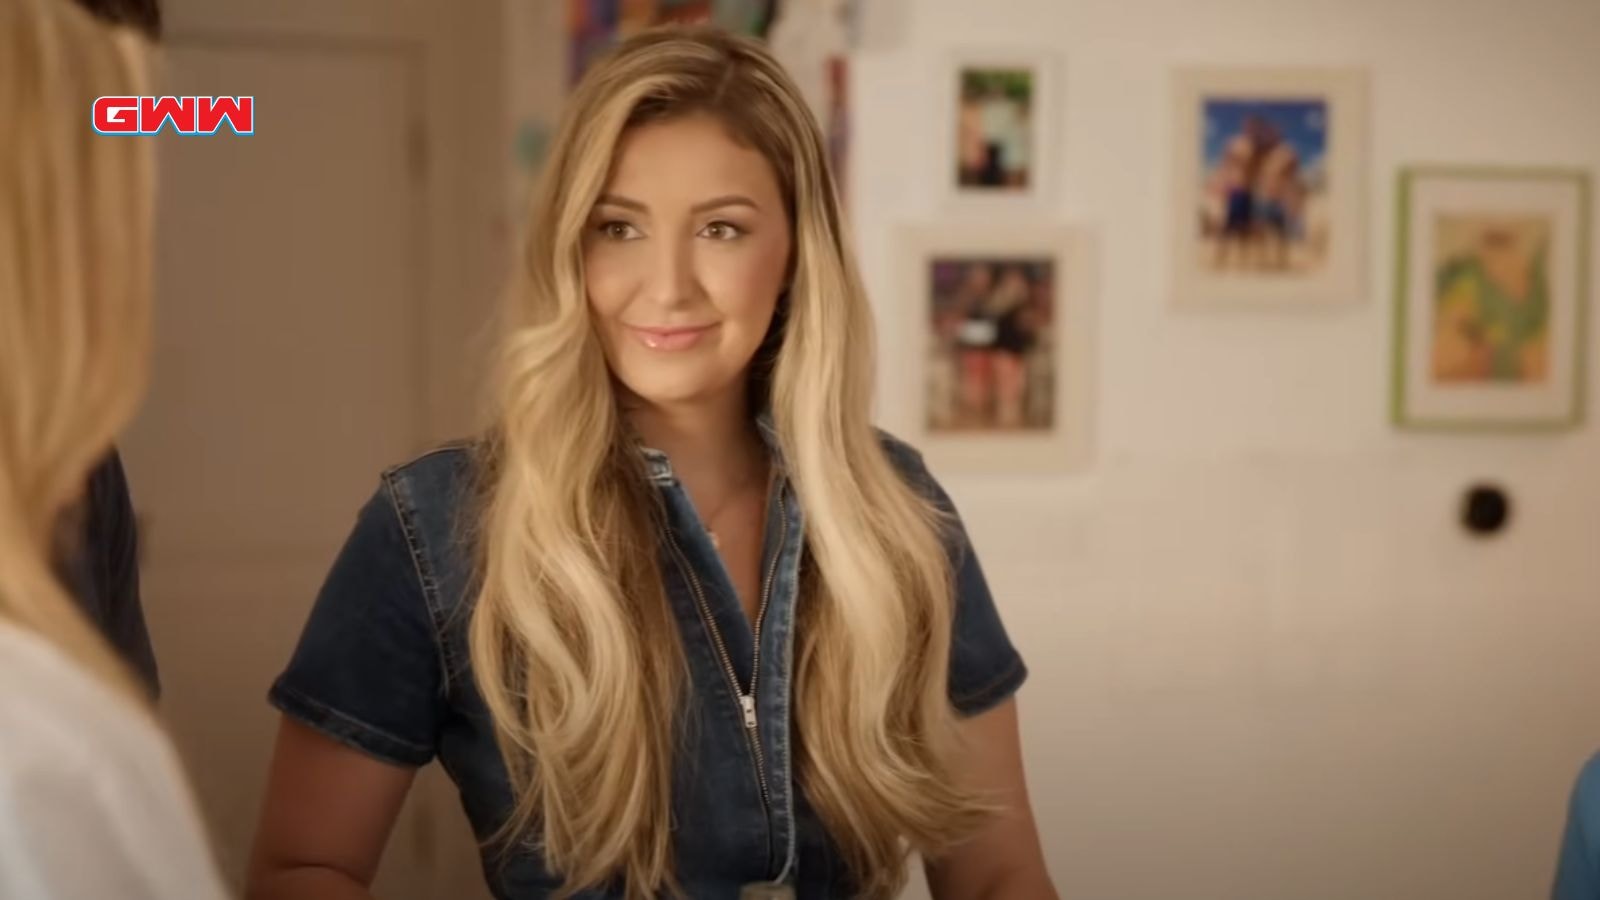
(93, 801)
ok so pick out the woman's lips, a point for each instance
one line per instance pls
(669, 339)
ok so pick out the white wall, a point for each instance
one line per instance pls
(1266, 662)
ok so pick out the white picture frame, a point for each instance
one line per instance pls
(1032, 132)
(1269, 188)
(1046, 427)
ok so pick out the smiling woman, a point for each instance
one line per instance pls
(685, 623)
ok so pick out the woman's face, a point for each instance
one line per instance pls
(685, 254)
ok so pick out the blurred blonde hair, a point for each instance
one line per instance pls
(572, 642)
(75, 245)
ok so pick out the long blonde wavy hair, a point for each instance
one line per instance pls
(75, 243)
(573, 645)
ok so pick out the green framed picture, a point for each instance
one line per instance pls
(1491, 298)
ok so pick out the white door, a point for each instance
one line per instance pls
(298, 351)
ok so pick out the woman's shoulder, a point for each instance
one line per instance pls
(908, 461)
(442, 474)
(81, 763)
(54, 714)
(433, 492)
(1586, 791)
(906, 458)
(421, 520)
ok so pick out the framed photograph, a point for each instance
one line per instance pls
(999, 375)
(1270, 180)
(999, 131)
(1491, 298)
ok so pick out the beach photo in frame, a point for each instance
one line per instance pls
(1269, 175)
(999, 322)
(998, 133)
(1491, 298)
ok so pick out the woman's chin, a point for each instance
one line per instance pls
(676, 389)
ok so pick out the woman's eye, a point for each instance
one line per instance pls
(722, 231)
(617, 230)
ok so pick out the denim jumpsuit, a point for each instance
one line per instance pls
(383, 667)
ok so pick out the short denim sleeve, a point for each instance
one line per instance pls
(367, 670)
(985, 669)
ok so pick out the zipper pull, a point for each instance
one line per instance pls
(748, 701)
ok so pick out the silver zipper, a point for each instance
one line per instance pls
(747, 699)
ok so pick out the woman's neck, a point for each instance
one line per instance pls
(711, 444)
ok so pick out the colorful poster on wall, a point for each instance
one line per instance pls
(810, 37)
(836, 124)
(812, 40)
(595, 26)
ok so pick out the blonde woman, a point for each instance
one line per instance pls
(92, 800)
(684, 623)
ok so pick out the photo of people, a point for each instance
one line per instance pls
(595, 26)
(995, 129)
(1491, 303)
(1264, 185)
(992, 364)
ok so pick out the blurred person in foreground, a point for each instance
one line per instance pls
(93, 801)
(98, 554)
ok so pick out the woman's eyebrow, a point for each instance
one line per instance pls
(703, 207)
(726, 200)
(624, 202)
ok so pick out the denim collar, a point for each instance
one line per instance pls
(661, 467)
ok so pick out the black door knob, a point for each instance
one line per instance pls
(1485, 510)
